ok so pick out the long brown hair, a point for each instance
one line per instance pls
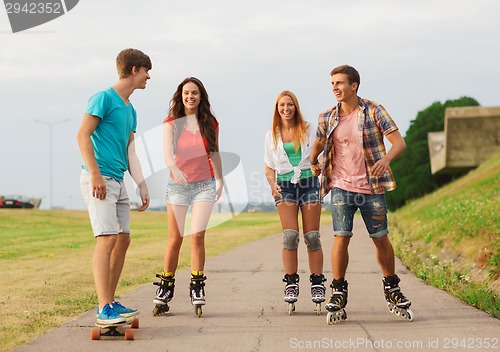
(299, 124)
(205, 116)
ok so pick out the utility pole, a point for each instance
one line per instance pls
(51, 124)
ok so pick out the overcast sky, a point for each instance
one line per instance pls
(409, 54)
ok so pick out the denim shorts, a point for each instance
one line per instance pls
(303, 192)
(111, 215)
(199, 191)
(345, 204)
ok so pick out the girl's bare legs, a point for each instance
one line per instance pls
(288, 213)
(176, 215)
(201, 212)
(311, 213)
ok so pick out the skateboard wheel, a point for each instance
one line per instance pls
(95, 334)
(135, 323)
(129, 334)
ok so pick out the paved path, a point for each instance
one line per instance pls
(245, 311)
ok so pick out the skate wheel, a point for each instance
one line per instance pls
(129, 334)
(390, 306)
(135, 323)
(409, 315)
(318, 308)
(329, 318)
(198, 312)
(160, 309)
(291, 308)
(95, 334)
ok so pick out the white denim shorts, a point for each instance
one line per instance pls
(111, 215)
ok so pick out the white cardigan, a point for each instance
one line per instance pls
(277, 158)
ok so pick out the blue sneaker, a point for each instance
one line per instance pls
(109, 316)
(123, 311)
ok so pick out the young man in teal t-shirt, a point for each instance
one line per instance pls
(106, 140)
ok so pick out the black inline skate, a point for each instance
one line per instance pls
(318, 290)
(197, 293)
(337, 302)
(397, 303)
(291, 291)
(164, 293)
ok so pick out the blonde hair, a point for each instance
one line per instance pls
(299, 124)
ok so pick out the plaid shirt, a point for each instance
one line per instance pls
(373, 123)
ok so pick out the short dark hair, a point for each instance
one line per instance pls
(351, 72)
(129, 58)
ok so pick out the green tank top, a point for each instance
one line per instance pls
(294, 160)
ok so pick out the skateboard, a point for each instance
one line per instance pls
(111, 330)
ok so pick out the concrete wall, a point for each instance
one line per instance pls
(437, 151)
(471, 135)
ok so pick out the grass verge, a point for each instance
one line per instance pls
(451, 238)
(45, 262)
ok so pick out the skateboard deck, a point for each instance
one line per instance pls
(111, 330)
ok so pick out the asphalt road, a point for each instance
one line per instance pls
(245, 311)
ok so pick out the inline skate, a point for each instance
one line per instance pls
(164, 293)
(197, 293)
(337, 302)
(318, 290)
(291, 291)
(397, 303)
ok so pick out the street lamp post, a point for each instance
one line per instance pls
(50, 124)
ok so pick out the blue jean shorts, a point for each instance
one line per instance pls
(346, 203)
(303, 192)
(199, 191)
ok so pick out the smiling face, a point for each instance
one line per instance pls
(142, 77)
(191, 97)
(342, 90)
(286, 108)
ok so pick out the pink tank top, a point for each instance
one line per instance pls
(349, 170)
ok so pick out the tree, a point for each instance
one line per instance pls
(413, 169)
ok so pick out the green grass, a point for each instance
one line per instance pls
(45, 262)
(451, 238)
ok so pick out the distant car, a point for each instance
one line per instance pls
(15, 203)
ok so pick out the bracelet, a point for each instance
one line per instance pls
(314, 162)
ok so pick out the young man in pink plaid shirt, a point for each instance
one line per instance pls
(356, 169)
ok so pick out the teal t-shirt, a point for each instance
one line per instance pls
(294, 158)
(111, 136)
